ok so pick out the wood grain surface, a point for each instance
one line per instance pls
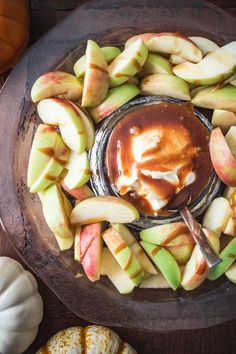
(216, 340)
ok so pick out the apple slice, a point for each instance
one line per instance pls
(196, 270)
(105, 208)
(216, 98)
(109, 53)
(214, 67)
(223, 152)
(155, 282)
(88, 126)
(115, 273)
(228, 256)
(156, 64)
(81, 193)
(165, 85)
(169, 43)
(217, 215)
(78, 170)
(131, 241)
(128, 63)
(223, 119)
(231, 273)
(56, 83)
(165, 262)
(124, 255)
(89, 249)
(182, 251)
(96, 76)
(77, 244)
(58, 111)
(204, 44)
(176, 59)
(228, 192)
(116, 98)
(55, 213)
(230, 228)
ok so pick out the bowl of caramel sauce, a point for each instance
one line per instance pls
(148, 151)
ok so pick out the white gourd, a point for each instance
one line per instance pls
(21, 307)
(89, 340)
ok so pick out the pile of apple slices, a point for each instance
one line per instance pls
(193, 69)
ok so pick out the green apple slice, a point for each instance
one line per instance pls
(124, 255)
(196, 270)
(81, 193)
(111, 268)
(116, 98)
(57, 111)
(155, 282)
(223, 119)
(109, 53)
(169, 43)
(78, 170)
(214, 67)
(88, 126)
(59, 156)
(56, 83)
(106, 208)
(217, 215)
(228, 256)
(156, 64)
(216, 98)
(44, 140)
(96, 76)
(131, 241)
(165, 262)
(165, 85)
(55, 212)
(231, 273)
(127, 64)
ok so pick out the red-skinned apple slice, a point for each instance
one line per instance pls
(56, 83)
(169, 43)
(81, 193)
(96, 76)
(222, 150)
(106, 208)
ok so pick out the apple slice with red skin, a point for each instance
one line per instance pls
(222, 150)
(196, 270)
(88, 249)
(169, 43)
(81, 193)
(96, 76)
(56, 83)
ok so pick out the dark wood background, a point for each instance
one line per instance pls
(216, 340)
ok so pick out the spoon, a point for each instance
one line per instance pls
(180, 203)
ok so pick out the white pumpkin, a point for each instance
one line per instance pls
(89, 340)
(21, 307)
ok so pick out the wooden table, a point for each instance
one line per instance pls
(216, 340)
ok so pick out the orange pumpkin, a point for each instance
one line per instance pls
(14, 31)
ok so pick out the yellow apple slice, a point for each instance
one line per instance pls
(115, 273)
(106, 208)
(217, 215)
(165, 85)
(56, 83)
(96, 76)
(155, 282)
(78, 170)
(230, 228)
(223, 119)
(223, 155)
(77, 243)
(156, 64)
(58, 111)
(214, 67)
(131, 241)
(169, 43)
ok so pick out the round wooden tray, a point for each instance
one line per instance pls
(108, 22)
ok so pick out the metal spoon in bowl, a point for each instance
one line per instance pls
(180, 203)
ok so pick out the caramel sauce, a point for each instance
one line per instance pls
(120, 248)
(51, 153)
(179, 230)
(184, 141)
(135, 274)
(155, 251)
(97, 67)
(201, 268)
(128, 262)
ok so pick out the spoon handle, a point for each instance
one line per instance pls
(200, 238)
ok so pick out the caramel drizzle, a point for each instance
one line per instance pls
(82, 255)
(88, 172)
(120, 247)
(155, 251)
(136, 64)
(123, 75)
(128, 262)
(97, 67)
(50, 178)
(180, 230)
(51, 153)
(135, 274)
(201, 268)
(45, 350)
